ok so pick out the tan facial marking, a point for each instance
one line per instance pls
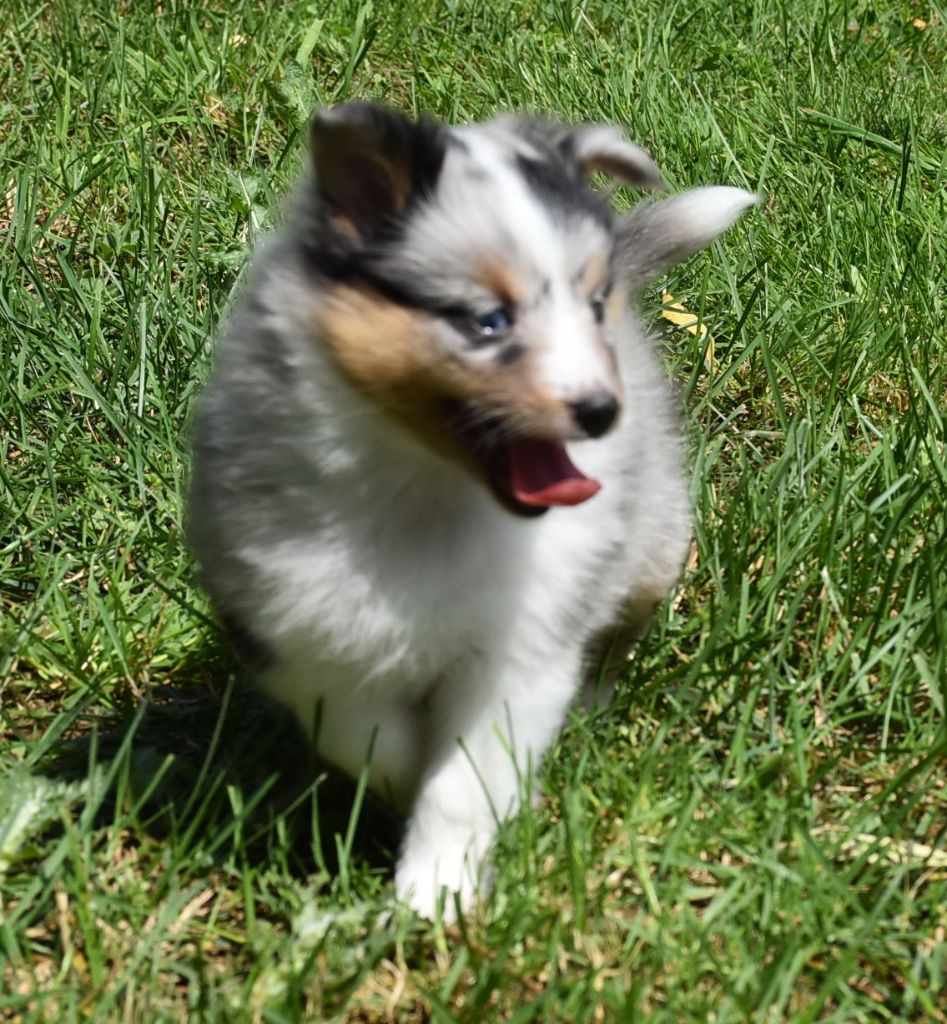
(392, 354)
(501, 281)
(378, 344)
(594, 274)
(616, 302)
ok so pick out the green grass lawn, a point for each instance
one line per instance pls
(757, 829)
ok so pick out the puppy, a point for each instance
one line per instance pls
(437, 467)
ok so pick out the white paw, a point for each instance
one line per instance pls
(449, 868)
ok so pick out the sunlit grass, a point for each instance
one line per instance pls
(755, 830)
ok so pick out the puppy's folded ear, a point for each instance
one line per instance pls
(656, 236)
(602, 147)
(370, 163)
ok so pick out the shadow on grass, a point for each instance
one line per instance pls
(208, 763)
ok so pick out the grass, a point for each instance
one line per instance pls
(756, 830)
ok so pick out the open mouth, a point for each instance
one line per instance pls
(528, 475)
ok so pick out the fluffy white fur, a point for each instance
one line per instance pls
(407, 616)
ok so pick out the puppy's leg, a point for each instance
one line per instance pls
(607, 654)
(351, 726)
(491, 733)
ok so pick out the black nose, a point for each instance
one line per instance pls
(596, 413)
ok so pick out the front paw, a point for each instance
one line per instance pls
(448, 866)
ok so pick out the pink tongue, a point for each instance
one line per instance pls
(541, 473)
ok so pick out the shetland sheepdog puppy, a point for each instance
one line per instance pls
(437, 468)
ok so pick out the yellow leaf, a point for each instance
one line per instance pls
(678, 315)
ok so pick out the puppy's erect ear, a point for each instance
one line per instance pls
(656, 236)
(371, 162)
(601, 147)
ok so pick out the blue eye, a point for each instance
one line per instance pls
(494, 323)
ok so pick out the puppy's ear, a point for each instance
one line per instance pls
(601, 147)
(656, 236)
(370, 162)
